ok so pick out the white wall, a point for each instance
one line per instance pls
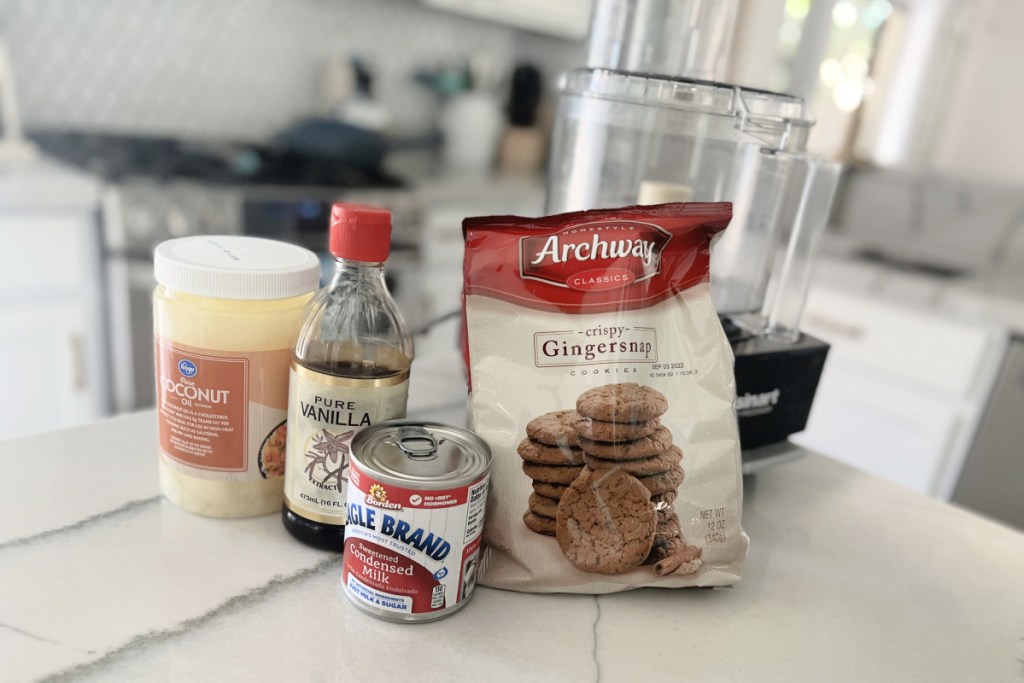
(979, 133)
(756, 42)
(916, 60)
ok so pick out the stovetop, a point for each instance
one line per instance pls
(118, 157)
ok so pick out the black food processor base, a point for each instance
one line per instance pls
(775, 386)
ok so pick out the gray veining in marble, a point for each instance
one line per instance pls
(81, 524)
(849, 578)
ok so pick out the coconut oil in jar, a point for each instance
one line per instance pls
(227, 311)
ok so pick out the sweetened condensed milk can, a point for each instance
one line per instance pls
(414, 519)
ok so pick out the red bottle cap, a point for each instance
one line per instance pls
(360, 233)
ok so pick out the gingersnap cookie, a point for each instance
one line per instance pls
(538, 524)
(670, 553)
(667, 532)
(626, 402)
(668, 525)
(653, 444)
(638, 466)
(542, 454)
(606, 522)
(552, 474)
(555, 428)
(543, 506)
(613, 432)
(553, 491)
(663, 482)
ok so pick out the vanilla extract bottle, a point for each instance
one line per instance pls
(350, 370)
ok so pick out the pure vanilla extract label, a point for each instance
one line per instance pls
(324, 413)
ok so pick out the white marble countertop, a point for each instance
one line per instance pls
(849, 578)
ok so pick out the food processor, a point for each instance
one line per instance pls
(623, 137)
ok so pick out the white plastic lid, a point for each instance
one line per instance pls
(235, 267)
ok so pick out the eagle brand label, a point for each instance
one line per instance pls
(411, 554)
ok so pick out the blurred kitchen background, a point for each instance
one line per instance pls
(127, 122)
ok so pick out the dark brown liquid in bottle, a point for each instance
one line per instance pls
(352, 370)
(354, 338)
(321, 534)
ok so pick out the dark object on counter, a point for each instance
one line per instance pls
(527, 88)
(523, 145)
(775, 385)
(364, 77)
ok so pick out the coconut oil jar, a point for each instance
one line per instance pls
(227, 311)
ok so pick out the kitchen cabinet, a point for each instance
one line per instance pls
(904, 387)
(52, 341)
(48, 379)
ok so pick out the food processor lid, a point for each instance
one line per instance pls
(751, 105)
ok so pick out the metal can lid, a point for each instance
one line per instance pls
(428, 455)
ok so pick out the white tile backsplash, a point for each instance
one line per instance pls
(236, 68)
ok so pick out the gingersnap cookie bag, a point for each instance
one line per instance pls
(602, 381)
